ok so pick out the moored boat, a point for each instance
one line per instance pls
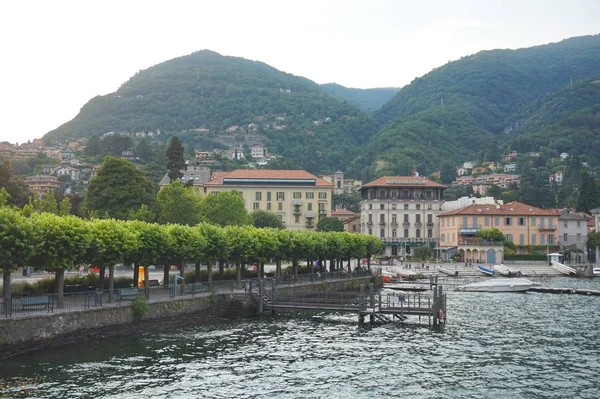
(486, 271)
(499, 285)
(506, 271)
(596, 271)
(448, 272)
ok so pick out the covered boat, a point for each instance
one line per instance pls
(448, 272)
(486, 271)
(499, 285)
(506, 271)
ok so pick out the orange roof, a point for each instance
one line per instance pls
(266, 174)
(343, 212)
(510, 208)
(403, 181)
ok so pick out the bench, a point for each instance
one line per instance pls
(153, 283)
(43, 302)
(127, 294)
(193, 288)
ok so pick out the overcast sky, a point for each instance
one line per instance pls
(56, 55)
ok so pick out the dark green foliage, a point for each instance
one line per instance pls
(367, 100)
(118, 189)
(14, 186)
(347, 201)
(589, 195)
(262, 219)
(492, 234)
(175, 160)
(330, 224)
(593, 241)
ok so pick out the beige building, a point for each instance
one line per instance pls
(524, 225)
(299, 198)
(41, 184)
(402, 211)
(350, 219)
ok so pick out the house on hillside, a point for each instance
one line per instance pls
(510, 156)
(556, 177)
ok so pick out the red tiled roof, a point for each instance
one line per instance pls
(265, 174)
(343, 212)
(510, 208)
(403, 181)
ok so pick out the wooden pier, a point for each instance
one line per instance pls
(378, 307)
(572, 291)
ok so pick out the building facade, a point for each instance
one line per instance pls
(402, 211)
(572, 235)
(524, 225)
(299, 198)
(350, 219)
(41, 184)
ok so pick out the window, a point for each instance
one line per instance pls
(521, 239)
(405, 233)
(280, 196)
(370, 218)
(550, 239)
(406, 218)
(497, 221)
(507, 221)
(542, 239)
(418, 206)
(428, 207)
(429, 218)
(443, 237)
(393, 207)
(354, 228)
(382, 218)
(370, 206)
(268, 206)
(256, 205)
(406, 207)
(578, 223)
(310, 195)
(486, 220)
(418, 218)
(475, 225)
(418, 233)
(382, 194)
(213, 192)
(258, 196)
(550, 222)
(429, 233)
(564, 223)
(533, 239)
(521, 221)
(565, 237)
(296, 218)
(533, 220)
(382, 233)
(297, 195)
(280, 206)
(509, 238)
(321, 206)
(310, 206)
(370, 232)
(268, 196)
(394, 220)
(394, 233)
(322, 195)
(578, 237)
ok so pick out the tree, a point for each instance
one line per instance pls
(492, 234)
(262, 219)
(589, 195)
(494, 191)
(144, 151)
(143, 214)
(423, 252)
(225, 208)
(330, 224)
(175, 160)
(179, 204)
(347, 201)
(16, 240)
(448, 171)
(93, 146)
(118, 188)
(593, 241)
(151, 246)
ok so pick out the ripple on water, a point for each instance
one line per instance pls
(495, 345)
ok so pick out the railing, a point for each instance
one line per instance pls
(406, 224)
(546, 228)
(418, 224)
(381, 224)
(430, 224)
(470, 226)
(482, 243)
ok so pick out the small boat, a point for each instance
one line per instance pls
(596, 271)
(506, 271)
(499, 285)
(448, 272)
(486, 271)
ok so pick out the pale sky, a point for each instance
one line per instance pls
(56, 55)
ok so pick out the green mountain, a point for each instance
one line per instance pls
(477, 103)
(367, 100)
(292, 115)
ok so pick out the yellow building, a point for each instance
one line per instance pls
(299, 198)
(522, 224)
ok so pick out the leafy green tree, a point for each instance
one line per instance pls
(18, 190)
(347, 201)
(46, 203)
(144, 151)
(151, 246)
(589, 195)
(61, 243)
(423, 252)
(330, 224)
(179, 204)
(225, 208)
(64, 207)
(593, 241)
(185, 244)
(242, 248)
(494, 191)
(4, 196)
(492, 234)
(93, 147)
(448, 171)
(17, 243)
(144, 214)
(262, 219)
(118, 188)
(175, 160)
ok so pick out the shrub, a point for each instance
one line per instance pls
(139, 308)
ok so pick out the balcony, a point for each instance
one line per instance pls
(297, 210)
(430, 224)
(322, 211)
(382, 224)
(546, 228)
(406, 224)
(370, 225)
(394, 224)
(469, 229)
(418, 224)
(480, 243)
(309, 225)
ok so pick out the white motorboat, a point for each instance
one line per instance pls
(596, 271)
(448, 272)
(499, 285)
(507, 271)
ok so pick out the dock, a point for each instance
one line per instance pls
(571, 291)
(367, 302)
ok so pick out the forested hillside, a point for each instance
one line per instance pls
(211, 93)
(367, 100)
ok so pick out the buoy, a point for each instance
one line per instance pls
(441, 316)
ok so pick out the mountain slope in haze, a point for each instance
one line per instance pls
(494, 85)
(210, 91)
(367, 100)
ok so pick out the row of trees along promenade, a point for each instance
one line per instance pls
(57, 244)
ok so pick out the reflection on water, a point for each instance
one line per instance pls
(495, 345)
